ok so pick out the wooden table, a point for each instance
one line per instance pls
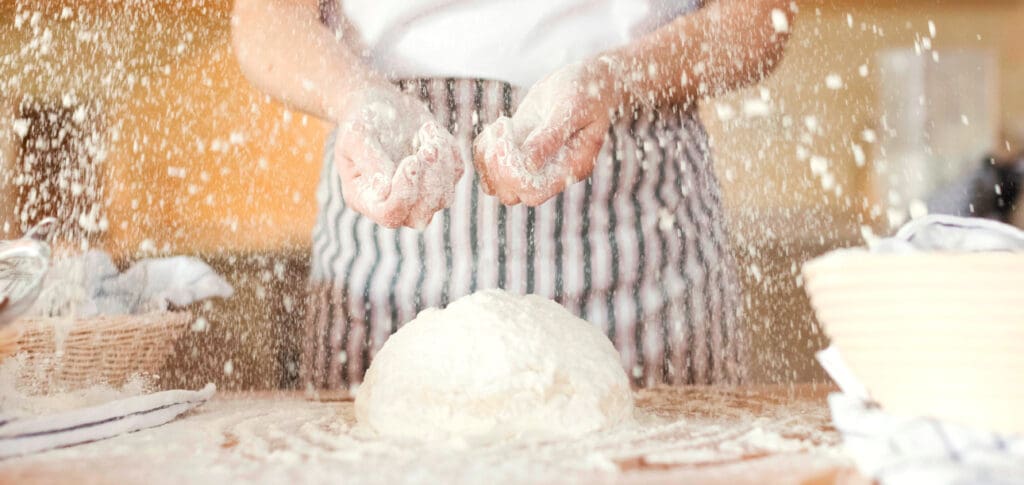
(686, 435)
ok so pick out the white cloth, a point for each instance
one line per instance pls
(23, 436)
(952, 234)
(518, 41)
(159, 283)
(90, 284)
(899, 450)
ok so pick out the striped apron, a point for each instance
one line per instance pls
(638, 249)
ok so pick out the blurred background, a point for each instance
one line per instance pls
(131, 121)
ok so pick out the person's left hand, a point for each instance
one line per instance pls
(553, 139)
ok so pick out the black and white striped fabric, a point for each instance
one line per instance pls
(26, 435)
(639, 249)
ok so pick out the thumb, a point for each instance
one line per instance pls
(540, 146)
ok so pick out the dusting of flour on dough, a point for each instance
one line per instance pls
(494, 366)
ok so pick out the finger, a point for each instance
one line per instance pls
(423, 208)
(426, 207)
(508, 197)
(453, 169)
(449, 195)
(441, 172)
(489, 149)
(421, 212)
(574, 162)
(361, 194)
(506, 186)
(555, 182)
(510, 200)
(444, 195)
(585, 147)
(373, 188)
(419, 220)
(430, 142)
(458, 161)
(541, 146)
(353, 198)
(537, 199)
(440, 167)
(363, 148)
(391, 213)
(360, 189)
(481, 165)
(395, 210)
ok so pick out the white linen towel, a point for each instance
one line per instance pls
(22, 436)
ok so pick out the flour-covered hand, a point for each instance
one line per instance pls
(397, 165)
(552, 140)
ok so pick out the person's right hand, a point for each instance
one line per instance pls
(397, 165)
(553, 139)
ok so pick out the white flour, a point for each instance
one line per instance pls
(17, 401)
(495, 366)
(679, 436)
(503, 140)
(415, 160)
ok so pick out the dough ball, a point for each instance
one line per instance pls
(494, 366)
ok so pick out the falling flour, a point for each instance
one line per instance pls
(494, 366)
(502, 142)
(18, 400)
(417, 161)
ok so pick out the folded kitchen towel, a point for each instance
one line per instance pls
(22, 436)
(90, 284)
(900, 450)
(952, 234)
(897, 450)
(159, 283)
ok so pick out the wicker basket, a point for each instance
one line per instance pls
(59, 353)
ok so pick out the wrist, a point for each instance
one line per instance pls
(349, 91)
(624, 83)
(602, 82)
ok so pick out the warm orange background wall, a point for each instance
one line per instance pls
(196, 159)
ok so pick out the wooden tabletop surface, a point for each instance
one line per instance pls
(682, 435)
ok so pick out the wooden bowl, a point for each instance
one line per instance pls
(929, 334)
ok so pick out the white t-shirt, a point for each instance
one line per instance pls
(518, 41)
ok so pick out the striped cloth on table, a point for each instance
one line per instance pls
(26, 435)
(639, 249)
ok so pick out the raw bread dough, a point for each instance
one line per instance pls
(494, 366)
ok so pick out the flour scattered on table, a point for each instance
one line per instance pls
(271, 440)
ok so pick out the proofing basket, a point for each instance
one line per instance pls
(67, 354)
(929, 334)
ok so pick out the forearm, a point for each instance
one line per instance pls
(726, 45)
(286, 52)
